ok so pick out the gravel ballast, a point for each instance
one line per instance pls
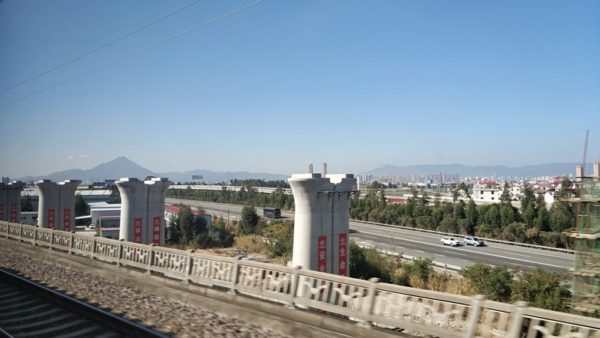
(167, 315)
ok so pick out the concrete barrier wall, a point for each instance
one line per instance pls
(362, 301)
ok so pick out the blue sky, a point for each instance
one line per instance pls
(357, 84)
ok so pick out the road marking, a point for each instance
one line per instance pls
(471, 252)
(439, 255)
(420, 251)
(513, 248)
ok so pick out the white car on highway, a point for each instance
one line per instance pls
(446, 240)
(474, 241)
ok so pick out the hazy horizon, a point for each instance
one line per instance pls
(279, 85)
(317, 168)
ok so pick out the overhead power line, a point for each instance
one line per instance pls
(135, 52)
(92, 51)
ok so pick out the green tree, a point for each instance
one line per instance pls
(541, 289)
(376, 185)
(566, 189)
(190, 227)
(449, 224)
(26, 204)
(367, 263)
(280, 236)
(471, 215)
(528, 197)
(463, 187)
(248, 221)
(508, 214)
(505, 197)
(495, 283)
(81, 206)
(529, 214)
(174, 231)
(420, 268)
(459, 210)
(542, 220)
(455, 195)
(492, 216)
(514, 232)
(561, 218)
(115, 197)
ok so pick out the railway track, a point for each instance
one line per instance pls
(28, 309)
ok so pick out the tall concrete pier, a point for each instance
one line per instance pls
(66, 204)
(142, 210)
(321, 221)
(56, 208)
(157, 190)
(10, 201)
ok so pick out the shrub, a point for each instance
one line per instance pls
(541, 289)
(250, 243)
(495, 283)
(368, 263)
(460, 286)
(439, 281)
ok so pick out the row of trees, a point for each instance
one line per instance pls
(246, 196)
(534, 223)
(252, 182)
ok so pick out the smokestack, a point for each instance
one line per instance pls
(310, 168)
(597, 170)
(324, 169)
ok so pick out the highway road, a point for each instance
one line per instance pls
(422, 244)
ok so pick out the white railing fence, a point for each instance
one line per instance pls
(366, 302)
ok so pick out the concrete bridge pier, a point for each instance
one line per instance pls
(48, 203)
(66, 204)
(56, 208)
(157, 191)
(321, 221)
(10, 201)
(143, 210)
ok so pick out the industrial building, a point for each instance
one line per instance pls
(321, 221)
(89, 195)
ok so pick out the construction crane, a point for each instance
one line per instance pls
(585, 146)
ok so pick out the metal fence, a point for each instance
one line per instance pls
(366, 302)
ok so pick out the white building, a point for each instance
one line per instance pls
(487, 191)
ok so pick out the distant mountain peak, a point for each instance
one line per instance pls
(124, 167)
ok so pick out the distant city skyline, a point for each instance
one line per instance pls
(278, 85)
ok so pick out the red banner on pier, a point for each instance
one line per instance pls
(156, 230)
(137, 230)
(322, 254)
(51, 218)
(343, 254)
(67, 220)
(13, 213)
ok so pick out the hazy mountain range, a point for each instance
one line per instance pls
(547, 169)
(123, 167)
